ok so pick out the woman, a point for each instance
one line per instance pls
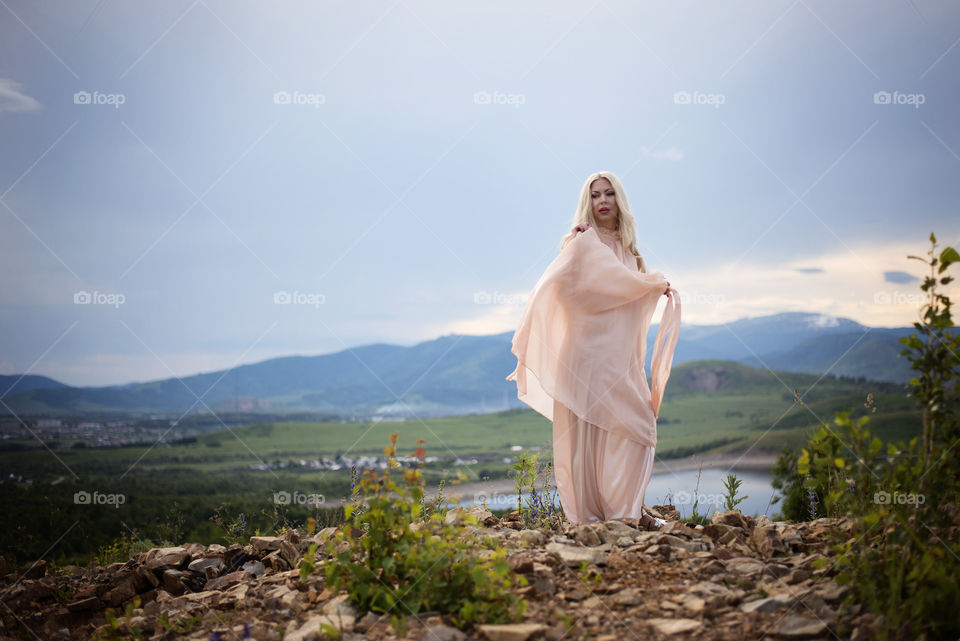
(580, 348)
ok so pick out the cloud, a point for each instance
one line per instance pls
(11, 99)
(809, 270)
(899, 278)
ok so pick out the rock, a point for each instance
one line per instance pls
(264, 544)
(767, 541)
(511, 631)
(674, 626)
(311, 628)
(619, 528)
(441, 632)
(833, 592)
(200, 565)
(746, 566)
(769, 604)
(226, 580)
(175, 558)
(573, 555)
(173, 582)
(628, 597)
(586, 534)
(733, 518)
(254, 568)
(800, 627)
(532, 537)
(34, 570)
(625, 541)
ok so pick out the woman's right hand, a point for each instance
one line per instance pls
(581, 227)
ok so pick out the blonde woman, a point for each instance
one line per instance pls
(580, 348)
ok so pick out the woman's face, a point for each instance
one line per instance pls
(604, 199)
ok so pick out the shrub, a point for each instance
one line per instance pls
(392, 558)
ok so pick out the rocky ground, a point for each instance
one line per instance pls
(737, 578)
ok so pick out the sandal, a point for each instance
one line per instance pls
(649, 522)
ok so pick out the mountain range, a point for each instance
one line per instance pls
(456, 373)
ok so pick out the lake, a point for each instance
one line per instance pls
(676, 488)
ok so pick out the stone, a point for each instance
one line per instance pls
(441, 632)
(768, 604)
(265, 544)
(731, 517)
(511, 631)
(573, 555)
(200, 565)
(767, 541)
(628, 597)
(586, 534)
(226, 581)
(174, 558)
(800, 627)
(532, 537)
(674, 626)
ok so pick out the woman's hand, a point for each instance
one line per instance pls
(581, 227)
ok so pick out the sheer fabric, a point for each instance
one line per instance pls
(580, 348)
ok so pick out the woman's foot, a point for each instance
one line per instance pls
(649, 522)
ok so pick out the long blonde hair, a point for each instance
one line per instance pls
(627, 226)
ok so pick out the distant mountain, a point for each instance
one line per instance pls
(460, 374)
(17, 384)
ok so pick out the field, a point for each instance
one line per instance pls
(171, 491)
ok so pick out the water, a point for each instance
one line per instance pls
(677, 489)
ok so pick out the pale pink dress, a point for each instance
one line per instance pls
(580, 349)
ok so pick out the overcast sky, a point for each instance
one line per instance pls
(406, 169)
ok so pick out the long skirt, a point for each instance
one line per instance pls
(600, 476)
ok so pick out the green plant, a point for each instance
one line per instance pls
(119, 627)
(732, 484)
(903, 553)
(534, 476)
(392, 558)
(695, 518)
(234, 529)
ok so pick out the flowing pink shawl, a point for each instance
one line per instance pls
(582, 339)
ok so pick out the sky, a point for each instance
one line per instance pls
(190, 185)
